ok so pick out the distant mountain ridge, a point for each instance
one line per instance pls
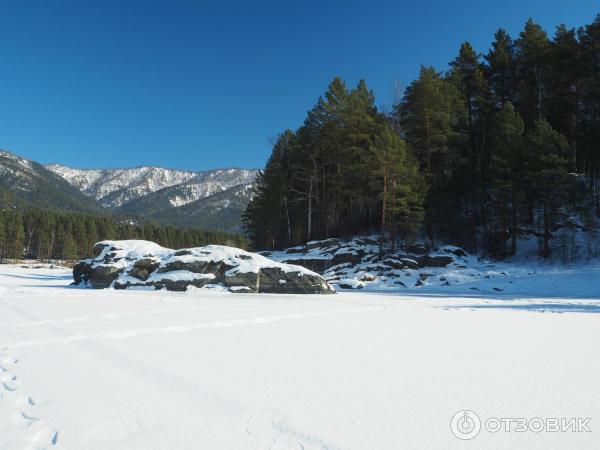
(115, 188)
(27, 183)
(212, 199)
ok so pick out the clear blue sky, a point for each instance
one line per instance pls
(199, 85)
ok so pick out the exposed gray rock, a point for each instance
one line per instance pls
(410, 263)
(347, 257)
(435, 261)
(418, 249)
(82, 272)
(103, 276)
(394, 263)
(139, 273)
(274, 280)
(247, 279)
(316, 265)
(198, 266)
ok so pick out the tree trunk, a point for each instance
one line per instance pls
(287, 216)
(546, 249)
(383, 209)
(309, 225)
(513, 231)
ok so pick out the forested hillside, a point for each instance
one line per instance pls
(27, 183)
(53, 235)
(499, 149)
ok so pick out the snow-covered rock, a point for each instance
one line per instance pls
(355, 263)
(445, 270)
(136, 264)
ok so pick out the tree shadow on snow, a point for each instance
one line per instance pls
(537, 307)
(34, 276)
(483, 295)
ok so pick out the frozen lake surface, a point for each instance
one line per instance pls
(86, 369)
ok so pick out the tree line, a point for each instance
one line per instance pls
(47, 235)
(499, 147)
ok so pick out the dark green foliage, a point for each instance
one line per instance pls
(501, 68)
(39, 234)
(507, 182)
(327, 178)
(508, 146)
(533, 72)
(499, 172)
(433, 117)
(547, 180)
(402, 188)
(219, 211)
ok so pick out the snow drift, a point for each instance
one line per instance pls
(143, 264)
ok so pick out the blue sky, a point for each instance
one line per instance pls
(198, 85)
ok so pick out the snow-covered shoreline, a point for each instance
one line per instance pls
(446, 270)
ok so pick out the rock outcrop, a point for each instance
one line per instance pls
(143, 264)
(356, 264)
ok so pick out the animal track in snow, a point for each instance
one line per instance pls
(275, 433)
(22, 412)
(10, 387)
(122, 334)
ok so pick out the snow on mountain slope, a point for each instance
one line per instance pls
(27, 182)
(138, 181)
(117, 187)
(19, 164)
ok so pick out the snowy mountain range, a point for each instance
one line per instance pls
(209, 199)
(116, 188)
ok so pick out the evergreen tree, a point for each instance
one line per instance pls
(551, 184)
(588, 126)
(268, 216)
(501, 68)
(401, 187)
(533, 71)
(507, 180)
(432, 115)
(563, 86)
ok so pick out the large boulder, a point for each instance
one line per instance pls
(135, 264)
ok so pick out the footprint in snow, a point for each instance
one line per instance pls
(42, 437)
(23, 402)
(9, 361)
(272, 429)
(10, 386)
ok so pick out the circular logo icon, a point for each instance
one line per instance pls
(465, 424)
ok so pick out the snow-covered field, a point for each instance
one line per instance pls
(86, 369)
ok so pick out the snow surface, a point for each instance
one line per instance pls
(105, 369)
